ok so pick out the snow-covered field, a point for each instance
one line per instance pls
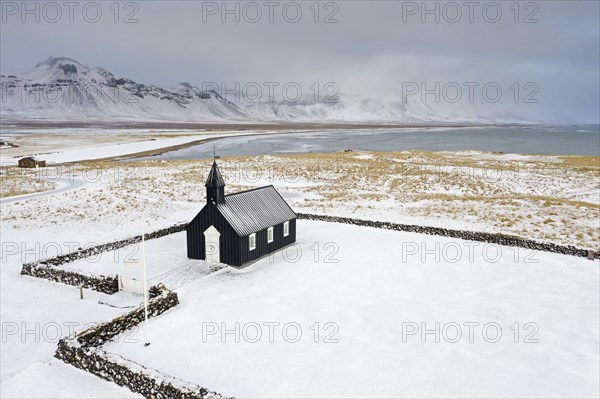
(370, 291)
(545, 198)
(35, 314)
(166, 262)
(104, 151)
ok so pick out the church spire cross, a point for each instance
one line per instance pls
(215, 157)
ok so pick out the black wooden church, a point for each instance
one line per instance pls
(237, 229)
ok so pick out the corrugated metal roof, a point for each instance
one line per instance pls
(214, 177)
(255, 210)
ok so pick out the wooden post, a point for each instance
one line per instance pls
(591, 254)
(144, 277)
(80, 286)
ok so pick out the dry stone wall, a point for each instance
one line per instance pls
(84, 351)
(47, 268)
(491, 238)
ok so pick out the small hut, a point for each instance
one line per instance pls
(31, 162)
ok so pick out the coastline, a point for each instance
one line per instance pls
(170, 125)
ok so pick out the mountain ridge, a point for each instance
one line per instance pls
(62, 88)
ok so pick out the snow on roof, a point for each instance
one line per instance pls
(255, 210)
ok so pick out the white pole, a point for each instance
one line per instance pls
(145, 282)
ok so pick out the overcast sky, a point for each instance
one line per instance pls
(550, 49)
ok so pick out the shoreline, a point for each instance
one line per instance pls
(217, 126)
(235, 130)
(213, 132)
(163, 150)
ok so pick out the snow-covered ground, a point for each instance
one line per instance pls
(51, 378)
(373, 293)
(166, 262)
(104, 151)
(35, 314)
(367, 282)
(545, 198)
(61, 184)
(369, 293)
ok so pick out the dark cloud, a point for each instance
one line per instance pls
(374, 48)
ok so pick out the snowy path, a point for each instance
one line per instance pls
(177, 278)
(66, 184)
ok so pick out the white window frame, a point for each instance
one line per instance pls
(286, 229)
(270, 235)
(252, 241)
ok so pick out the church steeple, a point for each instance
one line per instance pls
(215, 185)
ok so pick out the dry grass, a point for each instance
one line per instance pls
(544, 198)
(581, 160)
(18, 181)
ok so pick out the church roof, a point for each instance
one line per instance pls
(214, 177)
(255, 210)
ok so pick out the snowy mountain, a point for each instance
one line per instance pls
(344, 108)
(63, 89)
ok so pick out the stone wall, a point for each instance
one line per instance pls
(105, 284)
(500, 239)
(109, 284)
(84, 351)
(100, 333)
(111, 246)
(47, 269)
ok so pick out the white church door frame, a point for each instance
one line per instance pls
(211, 245)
